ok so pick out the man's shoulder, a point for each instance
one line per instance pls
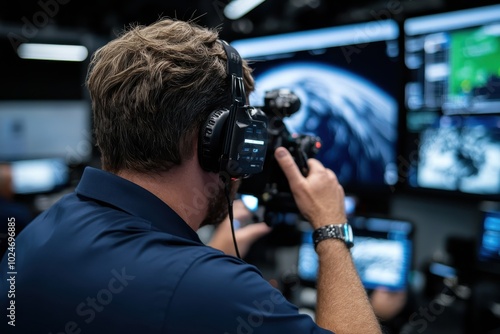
(216, 263)
(210, 271)
(217, 286)
(198, 260)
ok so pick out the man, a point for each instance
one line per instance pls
(121, 254)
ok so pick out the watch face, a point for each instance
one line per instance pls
(349, 236)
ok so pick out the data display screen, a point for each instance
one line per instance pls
(453, 101)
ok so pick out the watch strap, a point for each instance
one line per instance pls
(333, 231)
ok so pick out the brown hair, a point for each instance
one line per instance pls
(152, 88)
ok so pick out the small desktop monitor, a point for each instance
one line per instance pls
(453, 101)
(42, 129)
(347, 79)
(39, 176)
(488, 255)
(382, 253)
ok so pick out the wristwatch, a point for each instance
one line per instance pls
(334, 231)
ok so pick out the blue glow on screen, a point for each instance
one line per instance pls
(489, 250)
(382, 260)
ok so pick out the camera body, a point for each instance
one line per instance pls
(271, 186)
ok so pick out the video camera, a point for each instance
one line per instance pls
(271, 186)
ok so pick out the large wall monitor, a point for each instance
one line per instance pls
(347, 78)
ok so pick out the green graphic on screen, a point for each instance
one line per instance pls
(475, 65)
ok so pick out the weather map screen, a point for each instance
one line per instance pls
(462, 154)
(347, 79)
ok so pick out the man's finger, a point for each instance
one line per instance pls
(288, 165)
(314, 165)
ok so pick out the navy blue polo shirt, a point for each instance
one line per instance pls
(113, 258)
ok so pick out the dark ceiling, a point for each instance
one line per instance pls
(273, 16)
(93, 23)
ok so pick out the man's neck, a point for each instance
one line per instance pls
(182, 188)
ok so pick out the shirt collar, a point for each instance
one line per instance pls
(130, 197)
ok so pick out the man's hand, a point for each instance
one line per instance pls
(319, 196)
(342, 304)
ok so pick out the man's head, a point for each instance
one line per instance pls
(152, 89)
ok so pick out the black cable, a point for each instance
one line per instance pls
(231, 218)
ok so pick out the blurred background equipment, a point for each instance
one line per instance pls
(452, 95)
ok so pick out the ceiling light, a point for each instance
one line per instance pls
(52, 52)
(238, 8)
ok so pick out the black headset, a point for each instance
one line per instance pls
(234, 141)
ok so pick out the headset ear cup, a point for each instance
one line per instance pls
(211, 139)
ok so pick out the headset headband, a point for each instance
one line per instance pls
(235, 73)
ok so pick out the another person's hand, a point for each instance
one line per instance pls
(246, 233)
(387, 304)
(319, 196)
(6, 191)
